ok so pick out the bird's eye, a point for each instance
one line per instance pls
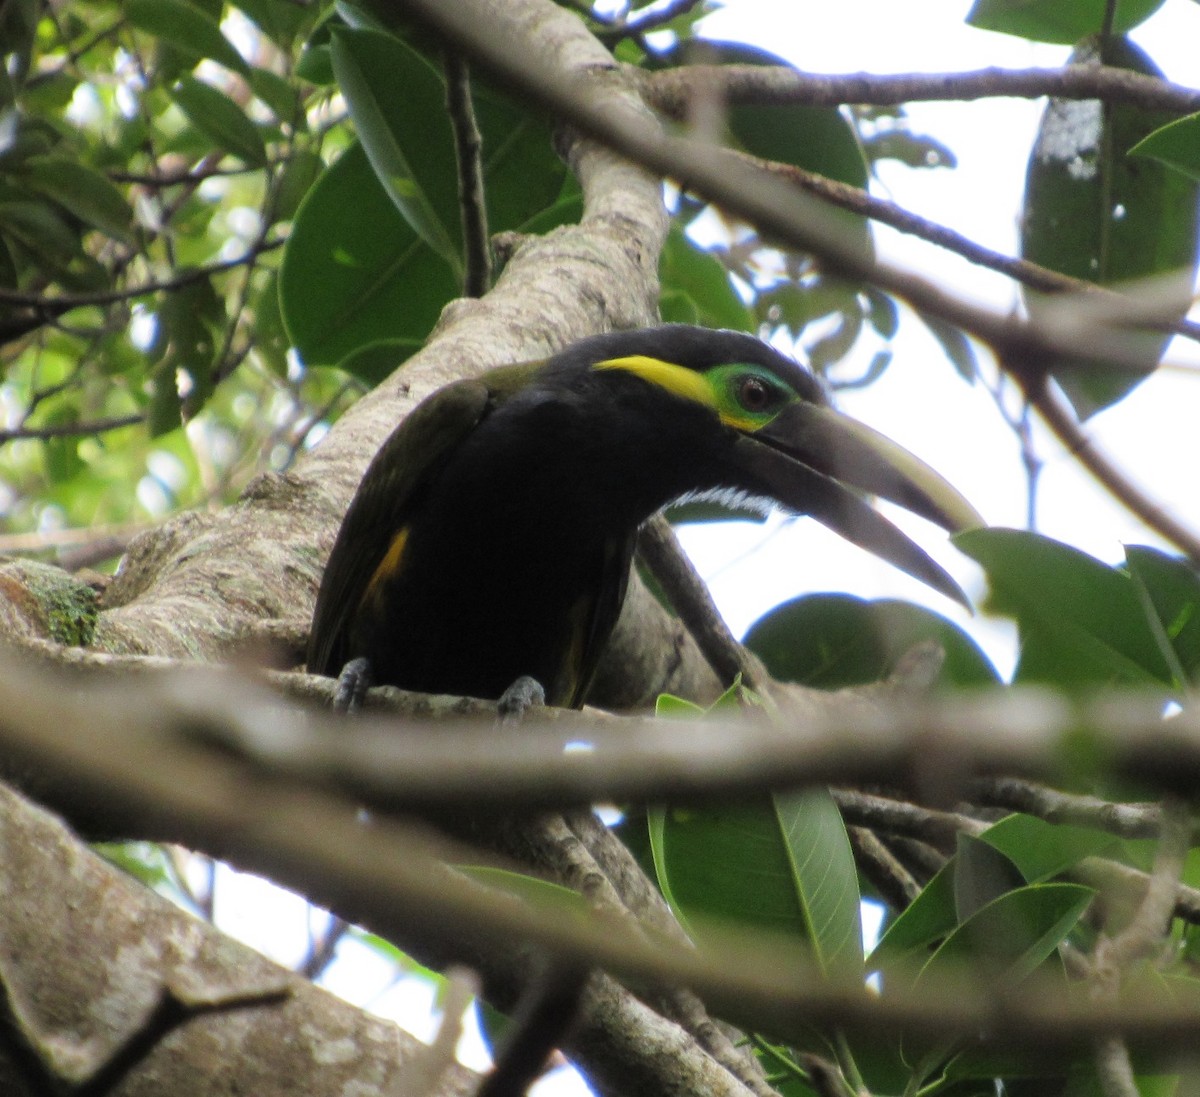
(755, 394)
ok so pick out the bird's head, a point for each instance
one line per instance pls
(781, 440)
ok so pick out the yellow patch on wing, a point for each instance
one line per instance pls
(389, 566)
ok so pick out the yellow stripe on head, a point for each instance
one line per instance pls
(716, 388)
(678, 380)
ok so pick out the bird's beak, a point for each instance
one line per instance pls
(810, 457)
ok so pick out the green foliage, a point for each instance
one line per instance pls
(1083, 624)
(783, 867)
(1177, 144)
(1063, 21)
(835, 640)
(217, 221)
(376, 251)
(994, 908)
(1095, 212)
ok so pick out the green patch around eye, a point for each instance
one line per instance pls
(725, 381)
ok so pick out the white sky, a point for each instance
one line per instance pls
(956, 429)
(752, 567)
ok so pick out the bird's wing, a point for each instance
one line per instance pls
(598, 618)
(413, 454)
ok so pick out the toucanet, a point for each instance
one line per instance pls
(493, 533)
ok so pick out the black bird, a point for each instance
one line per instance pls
(492, 535)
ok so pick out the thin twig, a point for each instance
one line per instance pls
(420, 1076)
(187, 176)
(939, 828)
(883, 868)
(322, 949)
(790, 216)
(63, 302)
(1033, 275)
(1144, 934)
(69, 430)
(670, 90)
(468, 148)
(1063, 422)
(1124, 820)
(691, 599)
(1141, 939)
(1114, 1069)
(645, 23)
(548, 1010)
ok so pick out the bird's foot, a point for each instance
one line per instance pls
(525, 693)
(353, 683)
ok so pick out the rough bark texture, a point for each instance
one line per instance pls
(111, 986)
(114, 961)
(194, 587)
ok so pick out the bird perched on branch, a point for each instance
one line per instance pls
(492, 535)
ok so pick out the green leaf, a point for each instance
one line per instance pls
(279, 94)
(164, 412)
(83, 191)
(928, 918)
(565, 211)
(981, 873)
(270, 338)
(144, 861)
(41, 230)
(955, 345)
(914, 150)
(220, 119)
(798, 304)
(524, 177)
(816, 139)
(189, 320)
(1171, 597)
(279, 22)
(1003, 942)
(186, 27)
(302, 170)
(825, 879)
(1062, 21)
(316, 65)
(374, 362)
(785, 868)
(1042, 850)
(63, 462)
(882, 312)
(1014, 933)
(1093, 212)
(1033, 851)
(398, 103)
(543, 894)
(696, 287)
(1082, 623)
(667, 704)
(836, 640)
(354, 272)
(1176, 144)
(18, 38)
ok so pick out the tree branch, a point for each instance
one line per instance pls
(1076, 332)
(316, 843)
(98, 971)
(468, 148)
(671, 90)
(692, 600)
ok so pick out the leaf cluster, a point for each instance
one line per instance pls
(217, 221)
